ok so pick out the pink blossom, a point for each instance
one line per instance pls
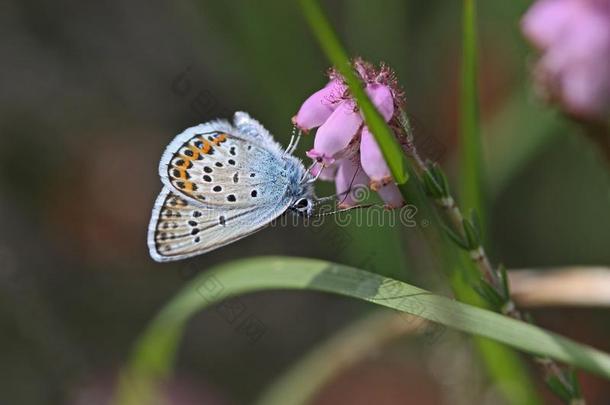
(390, 194)
(573, 37)
(337, 132)
(319, 106)
(344, 148)
(381, 96)
(349, 181)
(372, 161)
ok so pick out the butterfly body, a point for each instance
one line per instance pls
(223, 182)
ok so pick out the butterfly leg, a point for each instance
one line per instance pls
(314, 178)
(308, 171)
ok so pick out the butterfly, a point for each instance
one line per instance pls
(222, 182)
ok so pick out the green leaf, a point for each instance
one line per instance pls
(505, 282)
(431, 185)
(490, 295)
(573, 378)
(390, 148)
(476, 223)
(472, 236)
(454, 237)
(471, 172)
(440, 178)
(555, 385)
(154, 353)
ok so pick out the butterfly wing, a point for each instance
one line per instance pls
(179, 229)
(250, 128)
(222, 183)
(216, 164)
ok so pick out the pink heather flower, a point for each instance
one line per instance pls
(349, 178)
(333, 137)
(319, 106)
(344, 148)
(574, 68)
(372, 161)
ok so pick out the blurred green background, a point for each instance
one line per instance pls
(93, 91)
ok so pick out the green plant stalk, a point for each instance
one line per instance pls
(503, 365)
(471, 194)
(471, 179)
(331, 46)
(479, 258)
(501, 362)
(153, 356)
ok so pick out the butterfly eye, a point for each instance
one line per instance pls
(303, 205)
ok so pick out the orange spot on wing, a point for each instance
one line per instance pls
(196, 152)
(220, 139)
(207, 146)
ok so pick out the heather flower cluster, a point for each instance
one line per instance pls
(344, 149)
(574, 68)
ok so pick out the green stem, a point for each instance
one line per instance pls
(471, 194)
(446, 202)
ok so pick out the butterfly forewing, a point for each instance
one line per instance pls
(220, 167)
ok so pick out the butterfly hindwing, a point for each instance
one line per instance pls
(179, 229)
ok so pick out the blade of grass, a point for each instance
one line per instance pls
(503, 366)
(392, 152)
(154, 354)
(470, 143)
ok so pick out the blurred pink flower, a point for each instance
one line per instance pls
(344, 148)
(574, 68)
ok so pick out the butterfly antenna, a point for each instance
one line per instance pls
(296, 142)
(292, 136)
(295, 137)
(324, 214)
